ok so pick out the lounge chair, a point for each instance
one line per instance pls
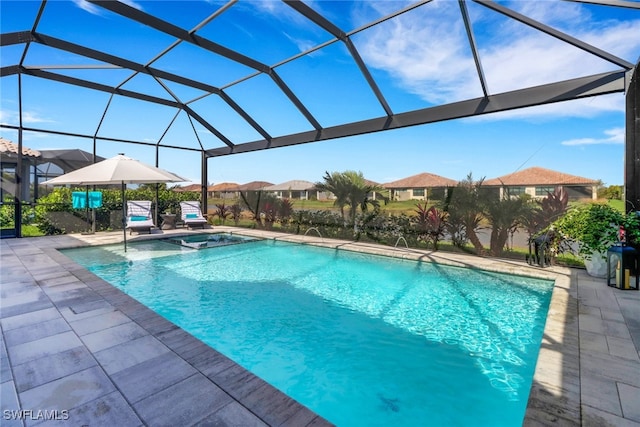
(139, 217)
(191, 214)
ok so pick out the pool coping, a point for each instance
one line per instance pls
(566, 382)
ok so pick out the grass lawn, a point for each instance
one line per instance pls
(616, 204)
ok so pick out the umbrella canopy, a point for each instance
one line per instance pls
(68, 160)
(119, 169)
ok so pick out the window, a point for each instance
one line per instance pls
(516, 191)
(418, 192)
(543, 191)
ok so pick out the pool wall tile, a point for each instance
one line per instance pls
(273, 406)
(212, 363)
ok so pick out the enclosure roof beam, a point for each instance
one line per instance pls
(473, 45)
(168, 28)
(583, 87)
(8, 39)
(328, 26)
(102, 138)
(617, 3)
(121, 62)
(130, 94)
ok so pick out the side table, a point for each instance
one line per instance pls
(168, 221)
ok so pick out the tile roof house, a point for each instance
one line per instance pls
(10, 149)
(224, 190)
(419, 187)
(191, 187)
(254, 186)
(538, 182)
(296, 189)
(9, 161)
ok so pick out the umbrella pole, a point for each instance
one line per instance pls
(124, 218)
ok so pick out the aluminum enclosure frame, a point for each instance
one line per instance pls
(617, 81)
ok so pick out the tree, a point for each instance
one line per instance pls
(503, 214)
(464, 208)
(337, 184)
(542, 213)
(431, 224)
(358, 193)
(611, 192)
(350, 189)
(222, 212)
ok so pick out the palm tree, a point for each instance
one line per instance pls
(337, 184)
(503, 214)
(350, 189)
(358, 193)
(464, 206)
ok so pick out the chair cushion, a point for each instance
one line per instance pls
(190, 216)
(138, 218)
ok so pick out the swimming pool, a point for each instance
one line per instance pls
(360, 339)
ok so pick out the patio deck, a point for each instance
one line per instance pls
(73, 343)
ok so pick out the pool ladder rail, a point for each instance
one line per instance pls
(316, 230)
(401, 238)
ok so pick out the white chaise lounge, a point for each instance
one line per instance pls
(191, 214)
(139, 216)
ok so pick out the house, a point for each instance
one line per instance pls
(296, 189)
(419, 187)
(191, 187)
(37, 167)
(224, 190)
(8, 168)
(254, 186)
(537, 182)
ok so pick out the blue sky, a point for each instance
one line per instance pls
(419, 59)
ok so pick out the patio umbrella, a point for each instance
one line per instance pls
(121, 170)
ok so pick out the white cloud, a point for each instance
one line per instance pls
(133, 4)
(613, 136)
(302, 44)
(28, 117)
(95, 10)
(33, 117)
(88, 7)
(426, 51)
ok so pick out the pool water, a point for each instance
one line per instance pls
(362, 340)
